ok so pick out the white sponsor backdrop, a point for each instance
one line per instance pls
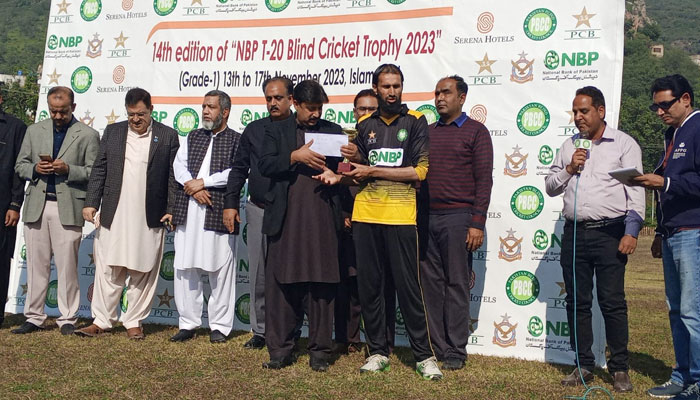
(523, 60)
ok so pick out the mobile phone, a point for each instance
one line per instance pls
(45, 157)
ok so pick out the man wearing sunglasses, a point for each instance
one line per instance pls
(676, 182)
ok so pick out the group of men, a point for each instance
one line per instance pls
(333, 241)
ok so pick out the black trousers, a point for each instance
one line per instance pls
(286, 304)
(596, 254)
(7, 247)
(381, 248)
(348, 312)
(446, 268)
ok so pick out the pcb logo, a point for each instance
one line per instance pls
(185, 121)
(90, 9)
(540, 240)
(167, 269)
(522, 69)
(164, 7)
(516, 163)
(533, 119)
(540, 24)
(52, 294)
(527, 202)
(546, 155)
(94, 47)
(504, 332)
(511, 247)
(242, 308)
(535, 326)
(277, 5)
(81, 80)
(522, 288)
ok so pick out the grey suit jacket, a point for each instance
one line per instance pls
(105, 183)
(79, 150)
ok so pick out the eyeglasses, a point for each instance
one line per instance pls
(137, 115)
(664, 105)
(366, 109)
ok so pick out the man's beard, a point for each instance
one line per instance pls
(392, 109)
(210, 125)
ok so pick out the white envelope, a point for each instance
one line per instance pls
(327, 144)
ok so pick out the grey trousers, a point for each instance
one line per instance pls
(257, 253)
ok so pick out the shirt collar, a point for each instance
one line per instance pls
(459, 121)
(65, 128)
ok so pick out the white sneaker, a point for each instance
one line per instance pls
(376, 363)
(428, 369)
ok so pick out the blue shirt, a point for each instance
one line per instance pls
(58, 136)
(459, 121)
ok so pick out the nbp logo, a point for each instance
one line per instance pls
(545, 155)
(511, 247)
(576, 59)
(504, 332)
(386, 157)
(56, 42)
(516, 163)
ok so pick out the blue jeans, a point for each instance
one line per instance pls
(681, 258)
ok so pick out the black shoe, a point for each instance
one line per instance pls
(257, 342)
(2, 319)
(453, 364)
(183, 335)
(318, 364)
(279, 363)
(26, 327)
(217, 337)
(67, 329)
(574, 379)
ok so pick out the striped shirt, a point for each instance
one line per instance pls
(461, 169)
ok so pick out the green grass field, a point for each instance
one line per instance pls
(47, 365)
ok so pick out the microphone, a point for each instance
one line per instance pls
(585, 144)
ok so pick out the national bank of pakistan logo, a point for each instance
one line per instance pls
(186, 120)
(53, 42)
(430, 112)
(546, 155)
(522, 288)
(535, 326)
(329, 115)
(511, 247)
(90, 9)
(81, 80)
(516, 163)
(533, 119)
(540, 24)
(540, 240)
(42, 116)
(277, 5)
(164, 7)
(246, 117)
(167, 269)
(504, 332)
(52, 294)
(23, 253)
(527, 202)
(395, 1)
(242, 308)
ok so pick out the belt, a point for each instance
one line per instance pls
(602, 223)
(51, 197)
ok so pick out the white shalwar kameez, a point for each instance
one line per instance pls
(199, 253)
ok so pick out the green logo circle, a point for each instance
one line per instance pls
(43, 115)
(23, 252)
(242, 309)
(124, 302)
(167, 271)
(277, 5)
(396, 1)
(527, 202)
(401, 135)
(533, 119)
(535, 326)
(522, 288)
(582, 143)
(185, 121)
(90, 9)
(53, 42)
(244, 234)
(52, 294)
(373, 157)
(546, 155)
(81, 79)
(430, 112)
(223, 1)
(399, 317)
(540, 24)
(164, 7)
(551, 60)
(540, 240)
(329, 115)
(246, 117)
